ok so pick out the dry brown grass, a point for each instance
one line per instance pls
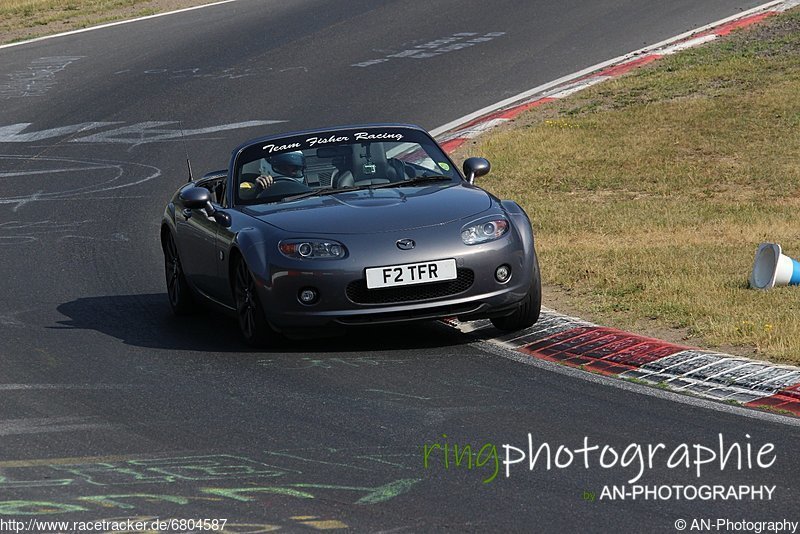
(26, 19)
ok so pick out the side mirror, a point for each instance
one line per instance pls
(195, 198)
(476, 167)
(199, 198)
(222, 218)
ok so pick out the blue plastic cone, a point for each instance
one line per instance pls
(773, 268)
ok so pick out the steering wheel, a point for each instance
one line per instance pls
(283, 186)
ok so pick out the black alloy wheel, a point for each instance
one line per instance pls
(178, 291)
(252, 321)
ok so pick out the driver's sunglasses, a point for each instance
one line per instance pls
(295, 170)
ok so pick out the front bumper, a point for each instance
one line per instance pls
(344, 299)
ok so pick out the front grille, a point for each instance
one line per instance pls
(417, 315)
(357, 291)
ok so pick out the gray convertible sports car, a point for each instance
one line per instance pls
(349, 226)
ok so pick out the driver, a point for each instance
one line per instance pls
(291, 165)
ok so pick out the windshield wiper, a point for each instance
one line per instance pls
(414, 181)
(322, 192)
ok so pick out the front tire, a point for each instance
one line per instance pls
(178, 291)
(252, 321)
(527, 312)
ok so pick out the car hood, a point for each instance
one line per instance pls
(377, 210)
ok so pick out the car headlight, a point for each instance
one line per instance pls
(312, 249)
(481, 232)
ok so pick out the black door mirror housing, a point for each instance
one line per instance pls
(195, 198)
(199, 198)
(476, 167)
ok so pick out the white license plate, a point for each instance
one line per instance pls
(411, 273)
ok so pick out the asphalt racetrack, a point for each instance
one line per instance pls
(111, 408)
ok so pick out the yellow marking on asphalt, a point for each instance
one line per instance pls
(330, 524)
(303, 517)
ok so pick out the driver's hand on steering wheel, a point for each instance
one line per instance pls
(265, 181)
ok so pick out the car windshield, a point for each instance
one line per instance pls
(344, 160)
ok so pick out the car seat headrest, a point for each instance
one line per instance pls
(332, 151)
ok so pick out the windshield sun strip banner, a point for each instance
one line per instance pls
(305, 142)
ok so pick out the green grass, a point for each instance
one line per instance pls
(773, 409)
(650, 193)
(31, 13)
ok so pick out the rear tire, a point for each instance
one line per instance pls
(178, 291)
(253, 324)
(527, 312)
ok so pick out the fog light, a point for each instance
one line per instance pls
(308, 295)
(503, 273)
